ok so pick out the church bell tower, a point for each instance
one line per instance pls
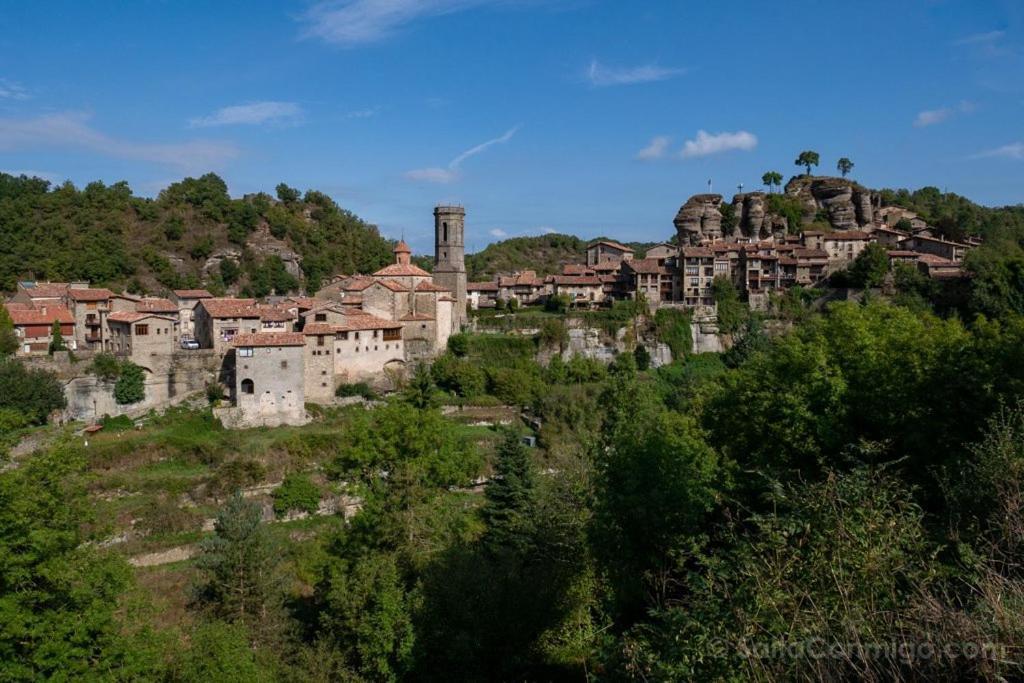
(450, 257)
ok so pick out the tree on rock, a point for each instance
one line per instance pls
(8, 339)
(771, 179)
(844, 166)
(130, 386)
(807, 159)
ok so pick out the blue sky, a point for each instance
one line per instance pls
(581, 116)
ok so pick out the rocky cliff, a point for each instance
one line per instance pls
(846, 204)
(843, 203)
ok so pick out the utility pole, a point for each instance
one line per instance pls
(709, 185)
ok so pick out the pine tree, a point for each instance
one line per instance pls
(510, 497)
(56, 338)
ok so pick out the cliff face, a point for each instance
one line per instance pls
(844, 203)
(847, 204)
(700, 217)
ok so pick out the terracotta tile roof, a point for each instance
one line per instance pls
(933, 260)
(647, 266)
(614, 245)
(810, 253)
(579, 280)
(192, 294)
(576, 269)
(230, 308)
(313, 329)
(45, 290)
(23, 314)
(903, 252)
(135, 316)
(90, 294)
(847, 235)
(357, 283)
(269, 339)
(787, 261)
(428, 286)
(156, 305)
(482, 286)
(402, 248)
(354, 322)
(697, 252)
(393, 286)
(813, 233)
(306, 301)
(607, 266)
(274, 314)
(401, 270)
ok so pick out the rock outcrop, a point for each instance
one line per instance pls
(699, 218)
(846, 204)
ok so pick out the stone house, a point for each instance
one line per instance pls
(649, 277)
(662, 252)
(33, 324)
(218, 320)
(844, 246)
(580, 289)
(148, 339)
(606, 250)
(951, 251)
(269, 386)
(482, 294)
(90, 308)
(363, 348)
(698, 265)
(524, 286)
(186, 300)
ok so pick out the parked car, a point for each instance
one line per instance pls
(189, 344)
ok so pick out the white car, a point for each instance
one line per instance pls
(189, 344)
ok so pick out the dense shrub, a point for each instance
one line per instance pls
(33, 393)
(356, 389)
(296, 492)
(130, 386)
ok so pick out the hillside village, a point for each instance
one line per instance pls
(276, 354)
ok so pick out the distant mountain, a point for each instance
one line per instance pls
(192, 235)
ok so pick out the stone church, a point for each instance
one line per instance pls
(430, 306)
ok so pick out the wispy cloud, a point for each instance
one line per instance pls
(72, 130)
(706, 144)
(930, 117)
(450, 173)
(251, 114)
(498, 232)
(655, 150)
(987, 37)
(352, 23)
(10, 90)
(363, 113)
(602, 76)
(1014, 150)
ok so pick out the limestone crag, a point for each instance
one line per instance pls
(846, 204)
(699, 218)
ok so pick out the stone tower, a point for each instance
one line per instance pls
(450, 256)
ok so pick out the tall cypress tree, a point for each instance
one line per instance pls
(510, 498)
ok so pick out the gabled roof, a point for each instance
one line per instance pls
(613, 245)
(269, 339)
(45, 290)
(401, 270)
(354, 321)
(156, 305)
(847, 235)
(23, 314)
(306, 302)
(576, 269)
(409, 317)
(98, 294)
(482, 286)
(607, 266)
(393, 286)
(274, 313)
(135, 316)
(698, 252)
(647, 266)
(579, 280)
(227, 307)
(192, 294)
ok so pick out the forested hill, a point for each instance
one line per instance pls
(543, 253)
(956, 216)
(192, 235)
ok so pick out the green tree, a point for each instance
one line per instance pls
(220, 651)
(239, 569)
(130, 386)
(286, 194)
(509, 498)
(8, 339)
(56, 339)
(296, 492)
(643, 357)
(771, 179)
(844, 166)
(33, 393)
(807, 159)
(870, 267)
(421, 391)
(731, 310)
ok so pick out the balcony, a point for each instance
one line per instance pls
(93, 338)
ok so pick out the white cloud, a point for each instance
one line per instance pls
(656, 149)
(1014, 150)
(251, 114)
(930, 117)
(706, 143)
(603, 76)
(452, 172)
(363, 113)
(351, 23)
(548, 231)
(498, 232)
(980, 38)
(71, 130)
(9, 90)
